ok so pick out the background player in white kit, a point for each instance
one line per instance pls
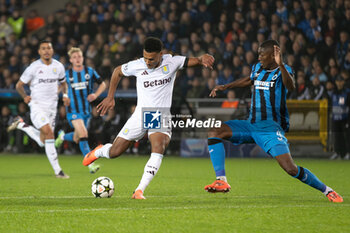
(155, 76)
(43, 77)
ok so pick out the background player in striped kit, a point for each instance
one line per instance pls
(42, 76)
(267, 122)
(80, 80)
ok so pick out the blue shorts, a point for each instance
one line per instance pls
(267, 134)
(75, 116)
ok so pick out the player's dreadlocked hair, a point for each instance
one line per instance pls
(153, 44)
(269, 44)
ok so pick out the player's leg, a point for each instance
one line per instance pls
(50, 150)
(109, 151)
(32, 132)
(71, 136)
(236, 131)
(131, 132)
(159, 142)
(306, 176)
(217, 157)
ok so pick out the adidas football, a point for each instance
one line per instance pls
(102, 187)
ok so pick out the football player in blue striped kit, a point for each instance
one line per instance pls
(80, 80)
(268, 121)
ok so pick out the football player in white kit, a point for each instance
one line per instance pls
(43, 77)
(155, 76)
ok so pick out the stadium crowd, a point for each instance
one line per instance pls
(313, 35)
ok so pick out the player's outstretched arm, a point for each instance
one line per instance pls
(21, 91)
(205, 60)
(287, 79)
(242, 82)
(97, 93)
(108, 102)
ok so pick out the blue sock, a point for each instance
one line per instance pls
(217, 155)
(69, 137)
(307, 177)
(84, 146)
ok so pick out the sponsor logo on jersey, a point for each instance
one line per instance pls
(41, 80)
(41, 72)
(152, 119)
(144, 72)
(274, 77)
(79, 86)
(264, 85)
(125, 67)
(155, 83)
(165, 69)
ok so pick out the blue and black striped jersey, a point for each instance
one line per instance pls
(269, 96)
(80, 85)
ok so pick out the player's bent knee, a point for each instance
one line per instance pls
(214, 133)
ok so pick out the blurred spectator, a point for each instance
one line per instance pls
(112, 125)
(17, 23)
(34, 21)
(340, 100)
(5, 120)
(231, 101)
(226, 77)
(196, 89)
(300, 92)
(346, 76)
(95, 128)
(211, 83)
(318, 72)
(342, 47)
(316, 91)
(5, 28)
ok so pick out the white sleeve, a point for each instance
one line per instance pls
(28, 74)
(179, 61)
(62, 74)
(128, 69)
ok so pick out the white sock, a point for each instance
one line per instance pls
(51, 154)
(32, 132)
(151, 169)
(328, 189)
(103, 152)
(223, 178)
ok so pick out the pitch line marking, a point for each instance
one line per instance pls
(168, 208)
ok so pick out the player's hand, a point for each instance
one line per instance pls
(278, 55)
(207, 61)
(27, 99)
(66, 101)
(215, 89)
(106, 104)
(91, 97)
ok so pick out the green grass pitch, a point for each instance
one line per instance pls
(263, 198)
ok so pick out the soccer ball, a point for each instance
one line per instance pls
(102, 187)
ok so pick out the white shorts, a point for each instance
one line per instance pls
(41, 116)
(133, 129)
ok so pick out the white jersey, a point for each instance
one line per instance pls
(154, 86)
(43, 81)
